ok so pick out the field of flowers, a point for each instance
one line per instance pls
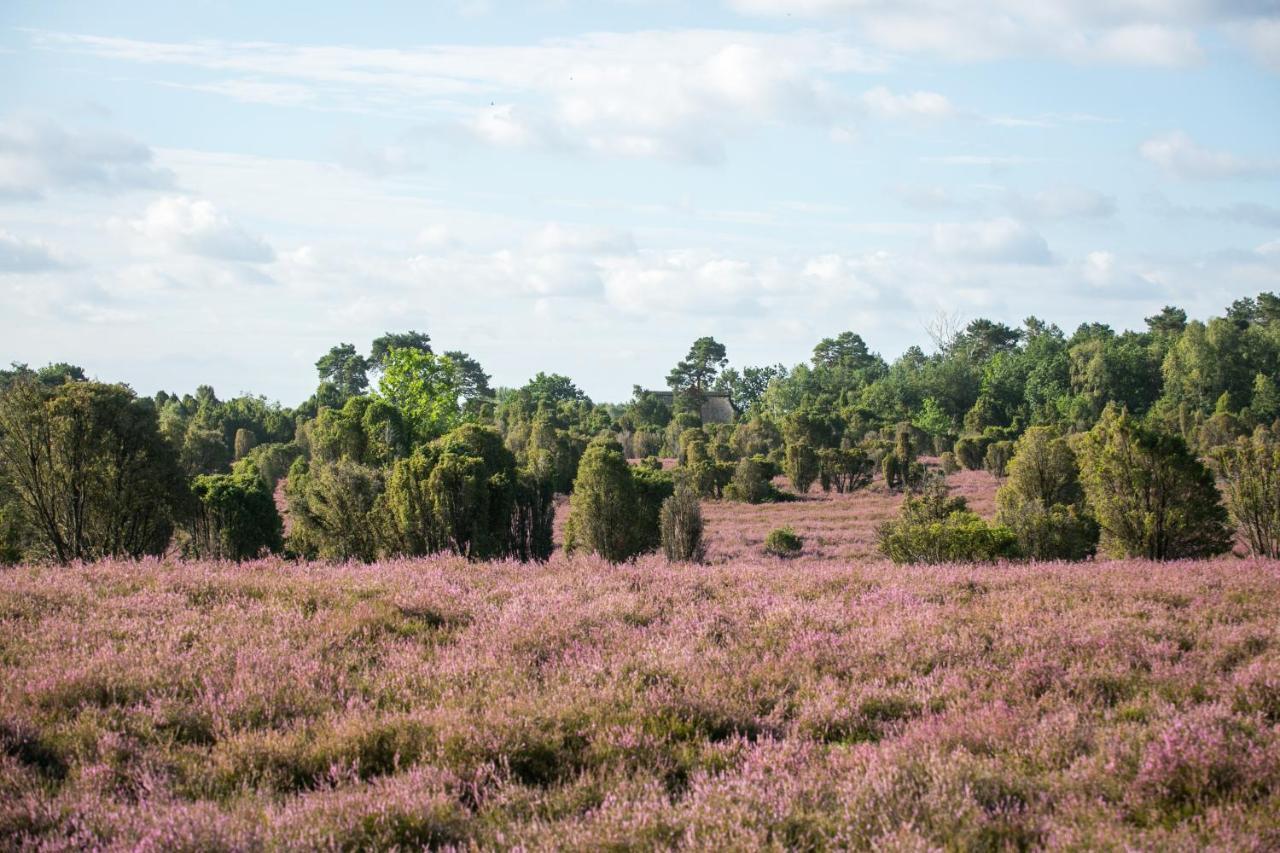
(829, 701)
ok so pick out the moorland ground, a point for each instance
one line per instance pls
(828, 701)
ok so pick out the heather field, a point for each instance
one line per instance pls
(830, 701)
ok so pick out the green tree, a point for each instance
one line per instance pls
(605, 511)
(424, 388)
(1042, 501)
(801, 465)
(92, 475)
(460, 494)
(384, 344)
(473, 382)
(934, 527)
(235, 517)
(1250, 472)
(335, 509)
(1150, 495)
(344, 372)
(697, 372)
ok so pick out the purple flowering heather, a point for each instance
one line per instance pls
(829, 702)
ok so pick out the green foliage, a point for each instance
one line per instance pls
(801, 465)
(996, 459)
(783, 542)
(697, 372)
(844, 469)
(1150, 495)
(383, 344)
(92, 475)
(933, 527)
(344, 373)
(335, 509)
(269, 462)
(606, 513)
(752, 481)
(1250, 472)
(460, 494)
(653, 487)
(245, 441)
(947, 461)
(890, 470)
(1042, 502)
(424, 389)
(235, 517)
(681, 527)
(970, 451)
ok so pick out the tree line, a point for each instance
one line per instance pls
(1159, 443)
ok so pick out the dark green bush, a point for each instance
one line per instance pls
(614, 508)
(971, 451)
(801, 465)
(948, 463)
(751, 481)
(235, 517)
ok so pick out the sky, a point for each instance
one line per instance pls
(214, 192)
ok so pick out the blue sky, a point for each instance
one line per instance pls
(218, 192)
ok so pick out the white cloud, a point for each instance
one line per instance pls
(654, 93)
(1178, 154)
(195, 227)
(1062, 203)
(1159, 33)
(39, 155)
(995, 241)
(1262, 37)
(20, 255)
(920, 105)
(1105, 272)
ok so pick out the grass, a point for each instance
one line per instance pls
(826, 702)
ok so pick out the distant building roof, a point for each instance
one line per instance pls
(717, 408)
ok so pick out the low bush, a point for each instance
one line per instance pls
(936, 528)
(948, 463)
(783, 542)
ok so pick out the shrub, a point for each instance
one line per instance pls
(1250, 471)
(1042, 502)
(235, 517)
(971, 451)
(1151, 497)
(243, 443)
(801, 465)
(335, 509)
(606, 513)
(845, 469)
(891, 471)
(947, 461)
(653, 487)
(783, 542)
(459, 494)
(751, 481)
(996, 459)
(681, 526)
(936, 528)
